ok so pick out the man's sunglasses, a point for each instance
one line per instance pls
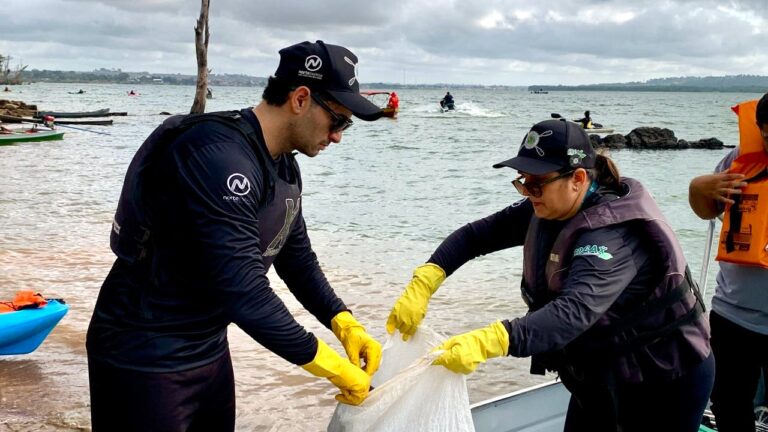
(339, 122)
(534, 188)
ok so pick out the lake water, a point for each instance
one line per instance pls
(376, 206)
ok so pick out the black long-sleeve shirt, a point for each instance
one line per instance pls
(170, 311)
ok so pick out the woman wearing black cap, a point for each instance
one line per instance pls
(612, 307)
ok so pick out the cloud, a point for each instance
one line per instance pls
(512, 42)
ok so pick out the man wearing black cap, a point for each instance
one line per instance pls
(209, 203)
(612, 308)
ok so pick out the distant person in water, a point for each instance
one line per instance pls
(447, 101)
(586, 122)
(209, 94)
(81, 91)
(131, 93)
(394, 101)
(7, 89)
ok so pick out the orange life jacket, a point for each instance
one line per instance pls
(23, 300)
(744, 237)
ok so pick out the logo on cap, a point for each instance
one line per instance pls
(313, 63)
(531, 140)
(354, 70)
(575, 156)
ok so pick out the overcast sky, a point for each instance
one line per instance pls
(508, 42)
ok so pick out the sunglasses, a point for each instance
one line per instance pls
(533, 188)
(339, 122)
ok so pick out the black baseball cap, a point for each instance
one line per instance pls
(553, 145)
(331, 69)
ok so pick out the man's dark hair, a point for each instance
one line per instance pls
(276, 92)
(762, 111)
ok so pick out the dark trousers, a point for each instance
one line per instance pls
(200, 399)
(741, 354)
(660, 406)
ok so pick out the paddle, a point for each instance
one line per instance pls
(703, 276)
(84, 130)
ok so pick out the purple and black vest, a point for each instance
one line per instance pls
(668, 330)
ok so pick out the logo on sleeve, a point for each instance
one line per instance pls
(593, 250)
(238, 184)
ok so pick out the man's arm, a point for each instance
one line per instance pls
(297, 265)
(708, 194)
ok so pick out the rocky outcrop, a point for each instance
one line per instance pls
(16, 108)
(652, 138)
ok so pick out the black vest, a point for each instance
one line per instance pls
(132, 226)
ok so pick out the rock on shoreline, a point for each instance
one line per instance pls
(653, 138)
(17, 108)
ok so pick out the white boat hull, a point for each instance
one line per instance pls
(541, 408)
(599, 131)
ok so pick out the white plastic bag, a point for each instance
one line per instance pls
(409, 393)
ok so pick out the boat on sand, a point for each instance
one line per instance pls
(11, 136)
(22, 331)
(104, 112)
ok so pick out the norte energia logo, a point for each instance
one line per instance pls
(238, 184)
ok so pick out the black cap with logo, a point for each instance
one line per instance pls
(553, 145)
(328, 68)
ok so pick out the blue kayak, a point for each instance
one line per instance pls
(21, 332)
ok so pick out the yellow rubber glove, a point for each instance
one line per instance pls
(353, 382)
(411, 307)
(463, 353)
(357, 343)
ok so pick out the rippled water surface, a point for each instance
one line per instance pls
(376, 206)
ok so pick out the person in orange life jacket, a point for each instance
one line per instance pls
(220, 204)
(394, 101)
(612, 307)
(739, 314)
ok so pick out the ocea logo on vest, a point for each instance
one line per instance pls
(593, 250)
(240, 186)
(291, 210)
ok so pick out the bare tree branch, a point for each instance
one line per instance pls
(202, 35)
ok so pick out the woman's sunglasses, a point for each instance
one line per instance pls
(533, 188)
(339, 122)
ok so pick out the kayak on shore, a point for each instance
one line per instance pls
(27, 321)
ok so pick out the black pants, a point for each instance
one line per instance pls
(660, 406)
(741, 354)
(200, 399)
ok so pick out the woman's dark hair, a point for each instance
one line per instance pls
(762, 111)
(606, 173)
(276, 92)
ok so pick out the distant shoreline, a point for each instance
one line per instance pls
(723, 84)
(392, 86)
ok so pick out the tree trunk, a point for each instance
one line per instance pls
(201, 48)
